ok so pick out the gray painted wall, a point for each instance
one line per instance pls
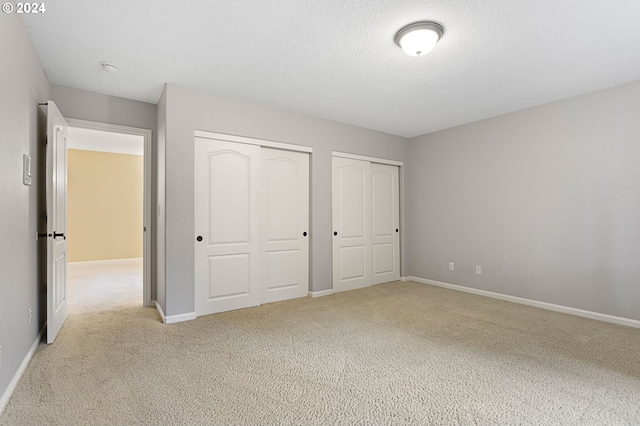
(84, 105)
(188, 110)
(23, 84)
(91, 106)
(546, 200)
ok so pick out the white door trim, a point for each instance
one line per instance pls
(146, 243)
(366, 158)
(252, 141)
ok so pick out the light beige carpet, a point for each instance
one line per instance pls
(397, 353)
(104, 286)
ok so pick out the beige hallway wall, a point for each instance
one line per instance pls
(105, 216)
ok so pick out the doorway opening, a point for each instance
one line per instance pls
(109, 218)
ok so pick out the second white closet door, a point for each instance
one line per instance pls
(351, 218)
(386, 223)
(366, 222)
(285, 225)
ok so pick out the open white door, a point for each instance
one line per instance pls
(56, 221)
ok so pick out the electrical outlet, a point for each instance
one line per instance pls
(451, 267)
(30, 314)
(478, 270)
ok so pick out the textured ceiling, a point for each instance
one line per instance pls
(336, 59)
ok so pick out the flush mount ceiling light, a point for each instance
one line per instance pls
(419, 38)
(108, 67)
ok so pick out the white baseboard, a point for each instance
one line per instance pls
(544, 305)
(172, 319)
(6, 396)
(321, 293)
(403, 279)
(90, 262)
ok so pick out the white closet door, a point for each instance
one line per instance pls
(351, 218)
(227, 223)
(285, 225)
(386, 223)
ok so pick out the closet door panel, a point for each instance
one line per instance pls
(351, 219)
(285, 225)
(386, 223)
(227, 220)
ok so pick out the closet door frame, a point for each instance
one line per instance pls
(400, 165)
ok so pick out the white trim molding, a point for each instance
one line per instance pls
(535, 303)
(172, 319)
(4, 400)
(252, 141)
(366, 158)
(321, 293)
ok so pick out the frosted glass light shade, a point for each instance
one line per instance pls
(419, 38)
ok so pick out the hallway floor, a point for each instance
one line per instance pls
(104, 286)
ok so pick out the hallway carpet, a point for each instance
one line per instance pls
(397, 353)
(104, 286)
